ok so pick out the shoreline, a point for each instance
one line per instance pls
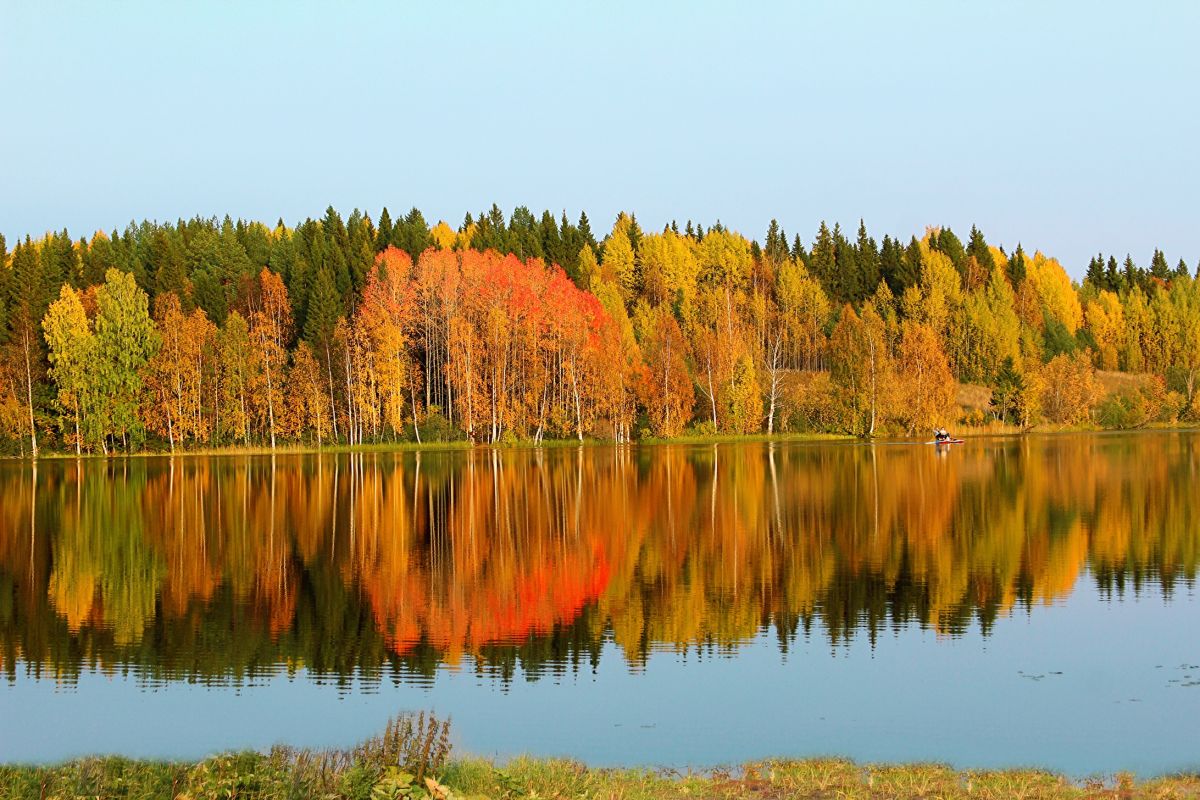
(366, 772)
(297, 449)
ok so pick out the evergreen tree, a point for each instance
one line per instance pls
(892, 266)
(978, 249)
(383, 234)
(1158, 265)
(167, 262)
(585, 230)
(847, 278)
(798, 251)
(1008, 393)
(337, 251)
(1016, 266)
(551, 240)
(912, 264)
(360, 250)
(1132, 274)
(4, 279)
(866, 254)
(324, 308)
(948, 243)
(525, 239)
(823, 262)
(1112, 275)
(1095, 272)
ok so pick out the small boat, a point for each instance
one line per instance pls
(947, 441)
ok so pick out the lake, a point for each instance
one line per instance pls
(1007, 602)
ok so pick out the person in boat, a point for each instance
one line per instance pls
(941, 435)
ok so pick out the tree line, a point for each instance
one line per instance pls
(350, 330)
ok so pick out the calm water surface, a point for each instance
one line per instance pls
(1009, 602)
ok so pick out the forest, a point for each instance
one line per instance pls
(214, 333)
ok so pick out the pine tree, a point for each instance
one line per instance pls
(360, 250)
(1095, 272)
(823, 262)
(1158, 265)
(866, 254)
(1132, 274)
(1112, 275)
(891, 266)
(776, 249)
(168, 267)
(798, 251)
(383, 234)
(948, 243)
(912, 264)
(1016, 266)
(4, 280)
(585, 230)
(324, 308)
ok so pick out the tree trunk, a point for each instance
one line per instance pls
(29, 393)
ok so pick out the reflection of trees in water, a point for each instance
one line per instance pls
(225, 568)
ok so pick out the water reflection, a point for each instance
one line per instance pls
(374, 565)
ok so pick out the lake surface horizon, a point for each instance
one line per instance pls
(1020, 601)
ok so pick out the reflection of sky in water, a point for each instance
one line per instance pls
(1121, 701)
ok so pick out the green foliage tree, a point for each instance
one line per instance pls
(125, 340)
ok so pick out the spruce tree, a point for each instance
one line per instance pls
(866, 254)
(1158, 265)
(383, 233)
(1016, 266)
(978, 249)
(4, 277)
(324, 308)
(823, 262)
(169, 270)
(949, 244)
(1112, 275)
(891, 266)
(777, 245)
(1131, 273)
(798, 251)
(585, 230)
(1095, 272)
(360, 250)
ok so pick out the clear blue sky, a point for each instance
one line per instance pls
(1069, 126)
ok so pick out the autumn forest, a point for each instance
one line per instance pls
(210, 333)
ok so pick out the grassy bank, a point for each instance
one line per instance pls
(412, 758)
(990, 429)
(287, 774)
(299, 448)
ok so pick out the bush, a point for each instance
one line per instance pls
(1133, 408)
(974, 417)
(810, 403)
(436, 428)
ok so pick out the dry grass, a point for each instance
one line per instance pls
(370, 773)
(971, 395)
(1116, 382)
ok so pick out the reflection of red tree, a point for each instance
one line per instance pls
(547, 595)
(461, 578)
